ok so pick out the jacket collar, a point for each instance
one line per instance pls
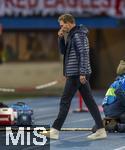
(71, 32)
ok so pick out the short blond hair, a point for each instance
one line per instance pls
(66, 18)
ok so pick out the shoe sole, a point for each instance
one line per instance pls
(48, 136)
(97, 138)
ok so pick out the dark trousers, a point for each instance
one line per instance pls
(72, 85)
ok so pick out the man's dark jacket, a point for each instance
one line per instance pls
(75, 49)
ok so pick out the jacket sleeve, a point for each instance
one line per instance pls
(120, 93)
(61, 45)
(82, 50)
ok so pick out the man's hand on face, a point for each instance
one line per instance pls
(83, 79)
(64, 28)
(61, 33)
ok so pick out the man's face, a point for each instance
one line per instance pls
(65, 26)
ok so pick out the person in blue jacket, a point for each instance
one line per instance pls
(114, 101)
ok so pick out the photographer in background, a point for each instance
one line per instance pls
(114, 102)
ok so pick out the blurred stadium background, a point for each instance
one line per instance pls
(29, 57)
(28, 41)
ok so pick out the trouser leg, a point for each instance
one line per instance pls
(86, 93)
(70, 89)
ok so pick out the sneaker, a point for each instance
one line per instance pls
(52, 134)
(99, 134)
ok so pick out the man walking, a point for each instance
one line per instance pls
(75, 48)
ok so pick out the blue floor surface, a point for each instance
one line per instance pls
(45, 111)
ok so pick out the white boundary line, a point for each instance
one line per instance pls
(7, 90)
(46, 85)
(80, 120)
(120, 148)
(76, 129)
(39, 87)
